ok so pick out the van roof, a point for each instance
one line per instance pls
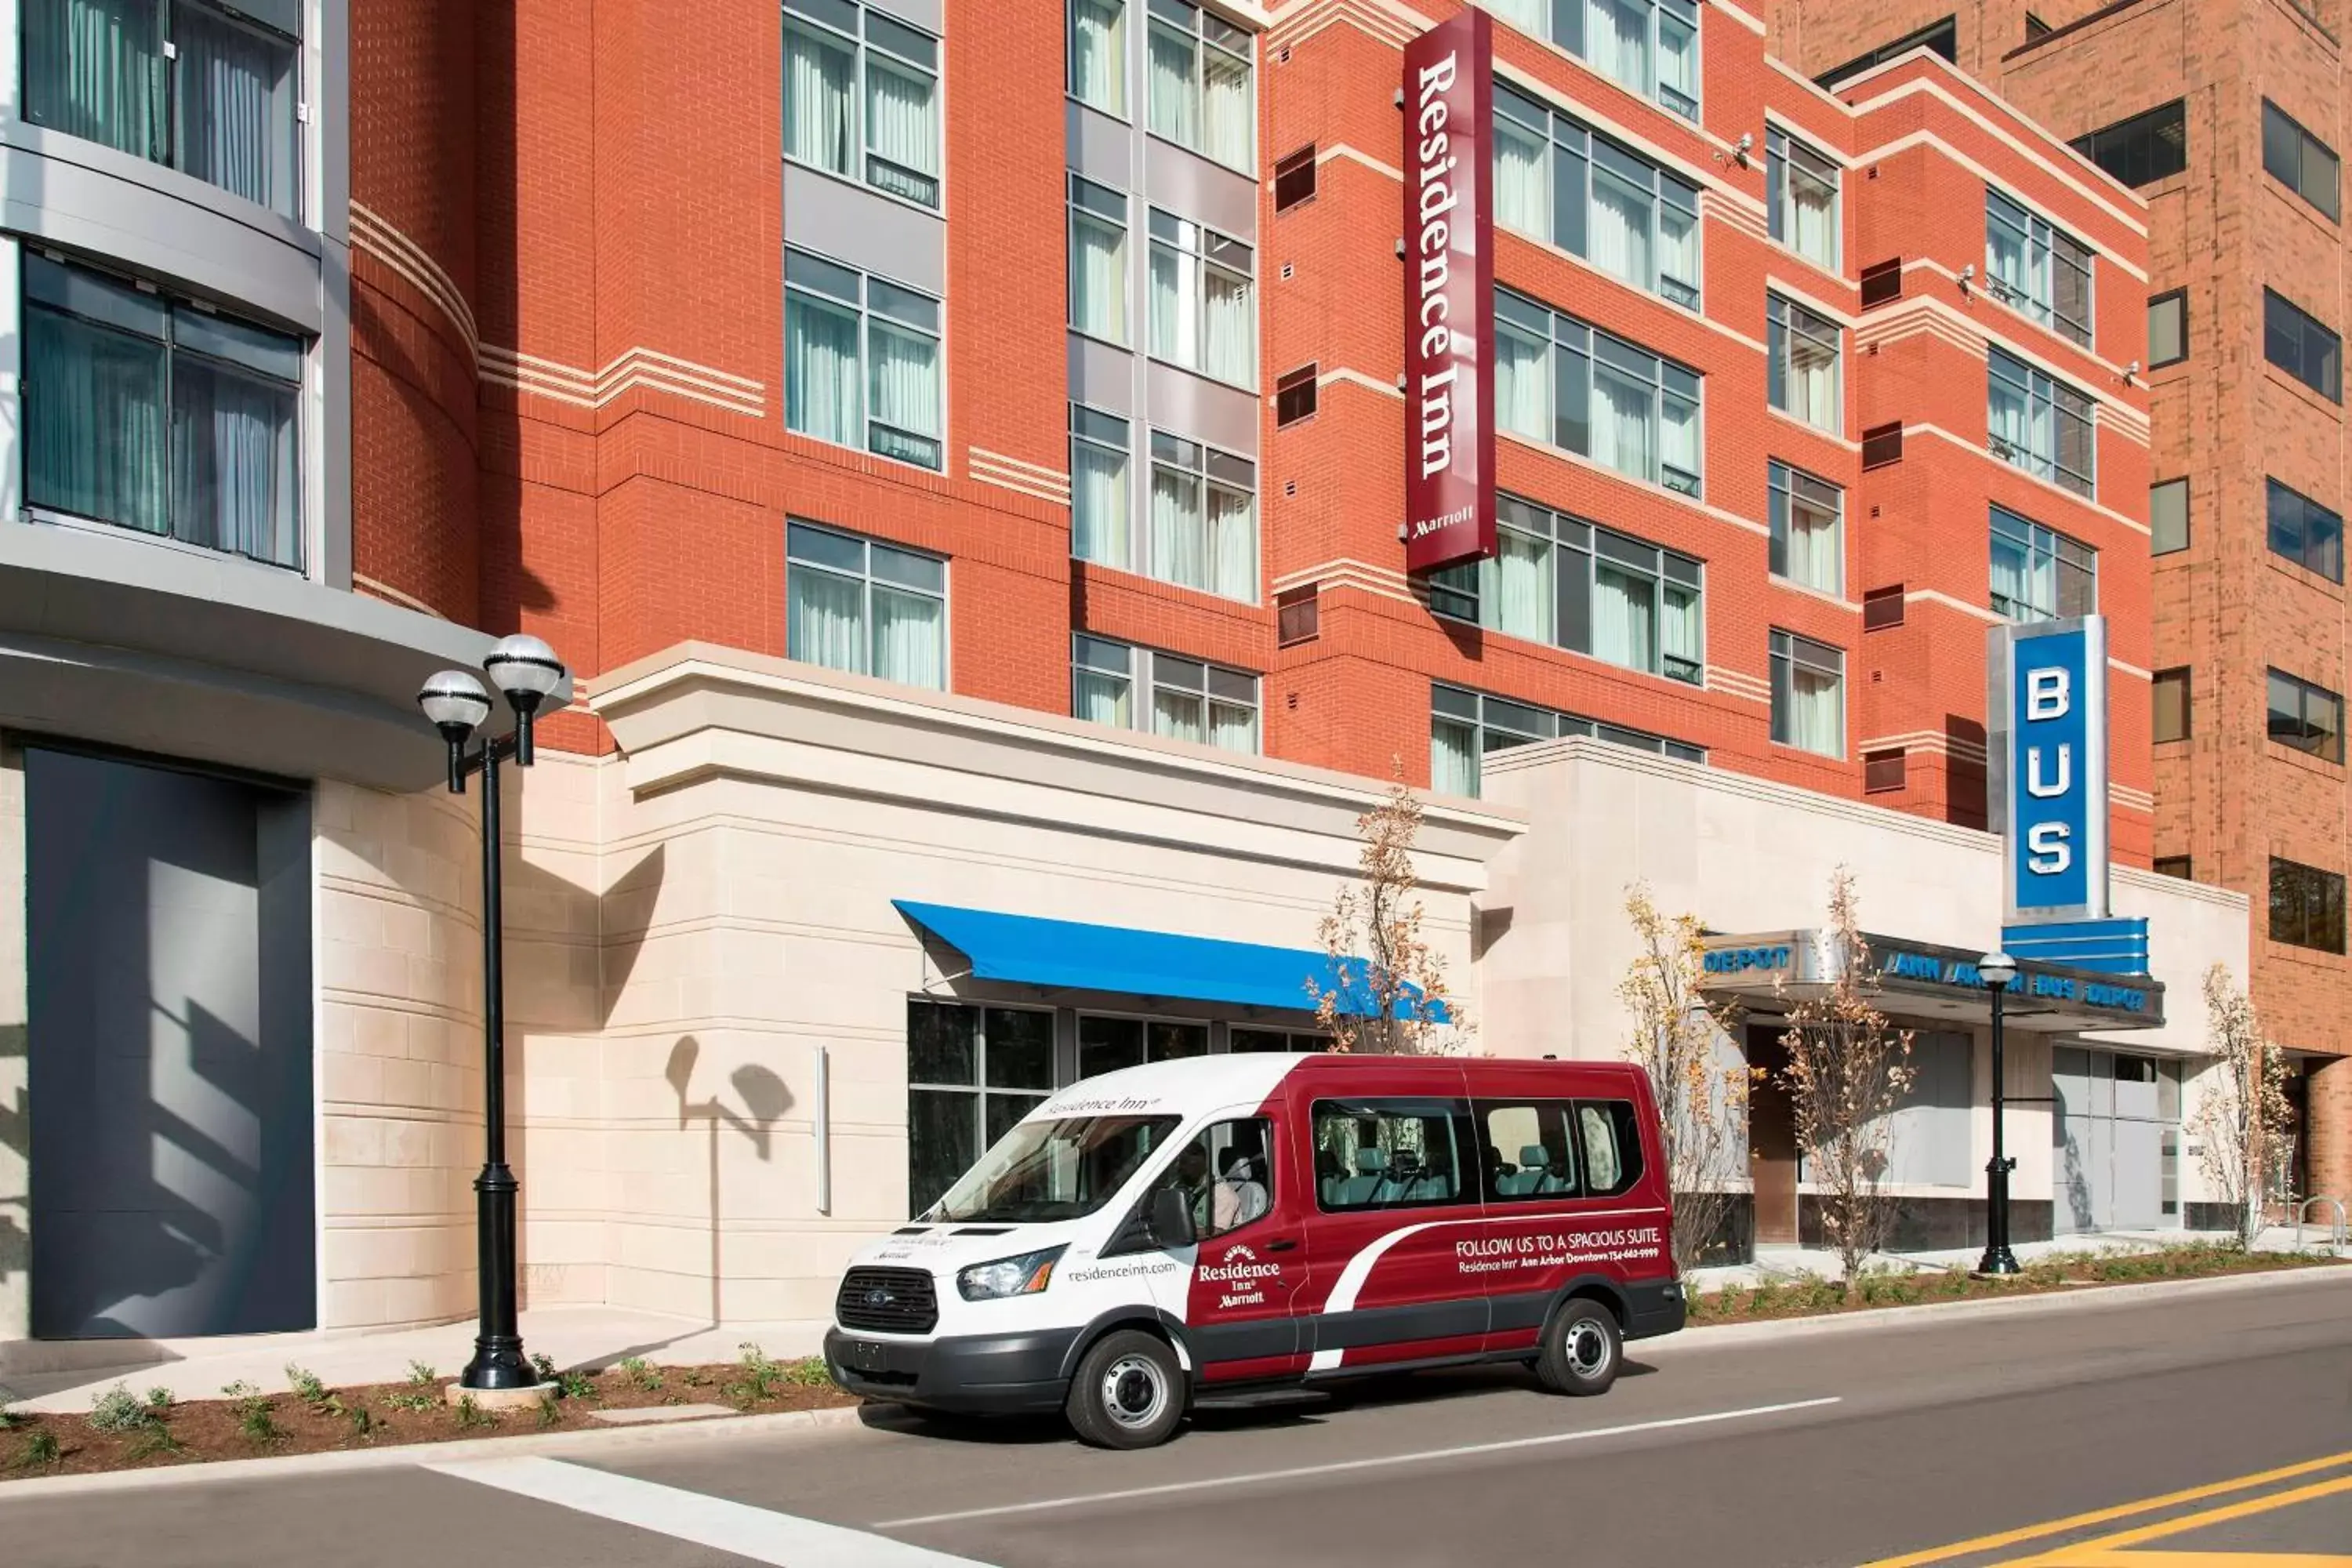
(1193, 1083)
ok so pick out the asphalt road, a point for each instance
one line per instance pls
(1839, 1447)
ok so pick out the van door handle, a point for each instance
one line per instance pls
(1286, 1245)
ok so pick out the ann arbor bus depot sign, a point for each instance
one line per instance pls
(1449, 272)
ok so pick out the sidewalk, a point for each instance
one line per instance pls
(63, 1377)
(1787, 1263)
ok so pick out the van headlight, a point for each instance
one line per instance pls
(1022, 1276)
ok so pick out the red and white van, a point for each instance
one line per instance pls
(1221, 1222)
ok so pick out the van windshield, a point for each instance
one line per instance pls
(1054, 1170)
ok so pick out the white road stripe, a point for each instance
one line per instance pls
(1342, 1466)
(754, 1532)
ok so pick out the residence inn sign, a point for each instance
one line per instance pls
(1916, 977)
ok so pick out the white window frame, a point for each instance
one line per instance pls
(1199, 252)
(1570, 27)
(899, 315)
(823, 20)
(1091, 427)
(865, 578)
(1789, 652)
(1203, 32)
(1672, 384)
(1146, 672)
(1213, 468)
(1786, 159)
(1091, 204)
(1786, 322)
(1787, 488)
(1571, 146)
(1118, 75)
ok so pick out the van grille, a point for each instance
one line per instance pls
(886, 1301)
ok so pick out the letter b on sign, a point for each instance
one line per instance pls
(2045, 694)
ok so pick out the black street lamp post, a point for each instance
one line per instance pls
(527, 671)
(1996, 970)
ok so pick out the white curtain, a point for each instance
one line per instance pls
(1678, 440)
(1232, 728)
(1098, 54)
(2008, 257)
(1097, 278)
(1815, 228)
(1522, 181)
(1677, 244)
(1681, 633)
(1226, 110)
(1453, 758)
(1817, 711)
(1622, 617)
(1175, 93)
(1528, 16)
(1229, 351)
(1520, 586)
(1098, 497)
(236, 104)
(1620, 235)
(1621, 413)
(824, 619)
(1522, 386)
(1814, 554)
(902, 123)
(1180, 547)
(1232, 543)
(820, 100)
(821, 371)
(1175, 305)
(233, 463)
(911, 643)
(2011, 417)
(1177, 715)
(1100, 698)
(906, 379)
(2020, 588)
(1617, 41)
(1679, 56)
(1813, 379)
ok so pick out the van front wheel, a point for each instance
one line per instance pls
(1582, 1350)
(1128, 1391)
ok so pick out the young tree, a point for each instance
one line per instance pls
(1391, 994)
(2240, 1125)
(1702, 1102)
(1847, 1071)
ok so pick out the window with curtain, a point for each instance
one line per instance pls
(2301, 529)
(1464, 725)
(2039, 425)
(862, 98)
(1560, 580)
(1203, 313)
(156, 413)
(1804, 364)
(861, 360)
(1557, 181)
(1801, 198)
(1203, 93)
(2297, 343)
(1203, 527)
(1184, 699)
(1808, 694)
(859, 605)
(1100, 498)
(2038, 573)
(1098, 54)
(1808, 528)
(1561, 380)
(207, 89)
(1650, 47)
(2306, 717)
(1097, 260)
(2044, 272)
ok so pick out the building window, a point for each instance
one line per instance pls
(1560, 580)
(1108, 1044)
(2038, 573)
(2039, 425)
(2167, 517)
(2147, 147)
(1464, 725)
(1294, 179)
(2171, 718)
(158, 415)
(2303, 348)
(2178, 866)
(972, 1073)
(862, 98)
(1202, 95)
(1804, 364)
(1560, 381)
(1099, 494)
(864, 607)
(1800, 196)
(2300, 161)
(2167, 328)
(1183, 699)
(2308, 717)
(2305, 532)
(1202, 531)
(1097, 260)
(2307, 906)
(1808, 528)
(2044, 272)
(1557, 181)
(1294, 395)
(1202, 316)
(1098, 54)
(1648, 46)
(209, 90)
(1808, 695)
(1940, 37)
(861, 360)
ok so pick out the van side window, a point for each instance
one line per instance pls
(1612, 1146)
(1391, 1154)
(1226, 1175)
(1529, 1150)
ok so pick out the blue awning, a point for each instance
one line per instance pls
(1069, 955)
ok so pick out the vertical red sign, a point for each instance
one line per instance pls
(1449, 293)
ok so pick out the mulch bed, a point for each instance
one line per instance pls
(248, 1425)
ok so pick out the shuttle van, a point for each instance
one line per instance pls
(1193, 1228)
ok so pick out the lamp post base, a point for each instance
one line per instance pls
(2004, 1267)
(527, 1398)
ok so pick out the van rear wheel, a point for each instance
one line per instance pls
(1128, 1391)
(1582, 1351)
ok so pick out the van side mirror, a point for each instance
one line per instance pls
(1168, 1221)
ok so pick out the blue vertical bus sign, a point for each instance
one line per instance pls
(2046, 752)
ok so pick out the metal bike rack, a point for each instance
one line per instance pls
(2336, 1234)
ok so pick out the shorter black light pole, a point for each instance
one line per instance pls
(1996, 970)
(527, 671)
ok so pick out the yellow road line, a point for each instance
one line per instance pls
(2108, 1515)
(2089, 1554)
(2105, 1559)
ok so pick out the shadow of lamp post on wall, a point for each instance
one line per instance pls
(527, 671)
(1996, 970)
